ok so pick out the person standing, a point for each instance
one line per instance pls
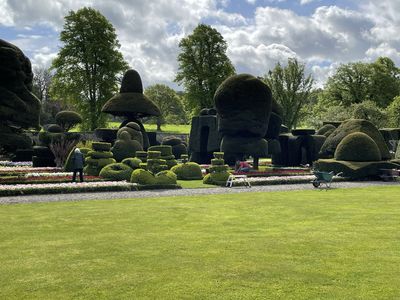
(78, 162)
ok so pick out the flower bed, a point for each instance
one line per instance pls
(7, 163)
(27, 169)
(45, 179)
(62, 188)
(275, 172)
(286, 179)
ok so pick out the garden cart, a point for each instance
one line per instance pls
(323, 178)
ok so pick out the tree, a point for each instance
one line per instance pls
(203, 65)
(393, 112)
(357, 82)
(169, 103)
(291, 88)
(41, 83)
(369, 110)
(88, 64)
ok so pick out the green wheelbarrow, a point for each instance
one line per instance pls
(323, 178)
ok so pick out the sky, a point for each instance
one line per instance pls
(322, 34)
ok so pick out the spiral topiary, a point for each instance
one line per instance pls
(358, 146)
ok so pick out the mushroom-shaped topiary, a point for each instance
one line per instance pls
(68, 119)
(358, 146)
(116, 171)
(350, 126)
(125, 147)
(131, 103)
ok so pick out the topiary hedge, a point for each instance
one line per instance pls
(116, 171)
(166, 150)
(188, 171)
(326, 130)
(350, 126)
(166, 177)
(132, 162)
(100, 154)
(141, 176)
(357, 146)
(101, 146)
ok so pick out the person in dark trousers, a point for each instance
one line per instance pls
(78, 161)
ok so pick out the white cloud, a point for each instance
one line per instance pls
(150, 31)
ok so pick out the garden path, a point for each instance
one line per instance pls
(182, 192)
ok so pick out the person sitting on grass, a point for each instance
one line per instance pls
(242, 166)
(78, 161)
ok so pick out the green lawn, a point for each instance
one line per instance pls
(170, 128)
(336, 244)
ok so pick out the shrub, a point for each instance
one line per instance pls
(141, 176)
(108, 135)
(102, 162)
(171, 141)
(68, 119)
(326, 130)
(357, 146)
(217, 161)
(142, 155)
(125, 147)
(303, 131)
(219, 178)
(54, 128)
(116, 171)
(132, 162)
(46, 138)
(153, 154)
(101, 146)
(166, 177)
(166, 150)
(134, 131)
(100, 154)
(350, 126)
(219, 155)
(188, 171)
(219, 168)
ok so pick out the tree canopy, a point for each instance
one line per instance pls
(356, 82)
(203, 65)
(88, 64)
(291, 88)
(169, 103)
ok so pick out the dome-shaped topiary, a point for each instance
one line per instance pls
(350, 126)
(132, 162)
(141, 176)
(326, 130)
(116, 171)
(357, 146)
(188, 171)
(54, 128)
(165, 177)
(68, 119)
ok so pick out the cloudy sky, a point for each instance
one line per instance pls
(259, 33)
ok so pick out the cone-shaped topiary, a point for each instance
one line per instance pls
(188, 171)
(116, 171)
(350, 126)
(357, 146)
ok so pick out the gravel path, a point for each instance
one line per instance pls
(182, 192)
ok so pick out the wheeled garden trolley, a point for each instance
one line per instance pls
(323, 178)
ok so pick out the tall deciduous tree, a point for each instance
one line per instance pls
(291, 88)
(203, 65)
(169, 103)
(357, 82)
(88, 64)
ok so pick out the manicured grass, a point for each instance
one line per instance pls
(194, 184)
(336, 244)
(170, 128)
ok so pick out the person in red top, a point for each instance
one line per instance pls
(242, 166)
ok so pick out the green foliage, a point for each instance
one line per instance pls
(354, 170)
(368, 110)
(54, 128)
(101, 146)
(393, 113)
(166, 177)
(219, 155)
(217, 161)
(165, 150)
(326, 130)
(350, 126)
(153, 154)
(141, 176)
(188, 171)
(68, 119)
(357, 81)
(87, 64)
(132, 162)
(291, 88)
(357, 146)
(134, 130)
(125, 147)
(170, 105)
(100, 154)
(116, 171)
(203, 65)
